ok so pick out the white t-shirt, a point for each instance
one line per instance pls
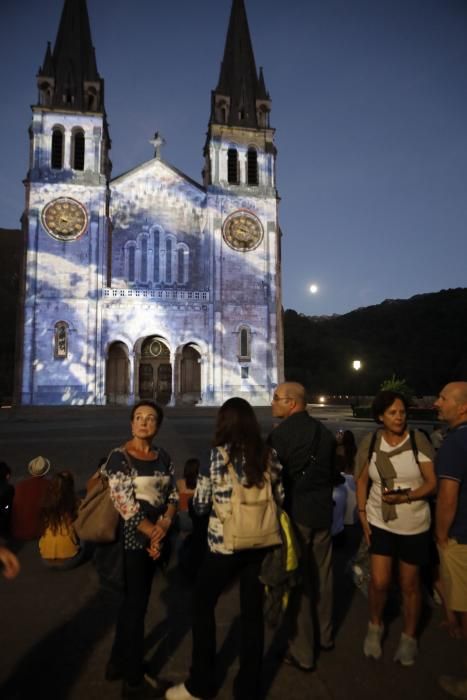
(412, 518)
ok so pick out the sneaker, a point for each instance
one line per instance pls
(114, 672)
(290, 660)
(457, 687)
(406, 652)
(372, 644)
(143, 690)
(179, 692)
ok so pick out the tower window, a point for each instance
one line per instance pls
(78, 150)
(232, 166)
(252, 167)
(244, 343)
(61, 340)
(57, 149)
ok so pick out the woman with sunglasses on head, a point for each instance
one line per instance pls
(142, 488)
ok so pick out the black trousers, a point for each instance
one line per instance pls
(128, 647)
(216, 573)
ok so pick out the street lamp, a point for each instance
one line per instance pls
(357, 366)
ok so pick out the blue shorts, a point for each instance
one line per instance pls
(411, 549)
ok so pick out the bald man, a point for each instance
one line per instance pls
(451, 511)
(306, 449)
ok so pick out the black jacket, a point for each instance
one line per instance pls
(308, 484)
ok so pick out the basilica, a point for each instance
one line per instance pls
(149, 284)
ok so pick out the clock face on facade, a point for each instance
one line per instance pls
(242, 231)
(65, 218)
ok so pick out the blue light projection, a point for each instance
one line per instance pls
(156, 298)
(84, 283)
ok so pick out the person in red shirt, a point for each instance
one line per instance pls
(26, 523)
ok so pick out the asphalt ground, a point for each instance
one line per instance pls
(57, 627)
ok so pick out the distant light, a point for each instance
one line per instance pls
(322, 399)
(313, 288)
(356, 364)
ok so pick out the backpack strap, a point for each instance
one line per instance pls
(315, 444)
(371, 446)
(414, 446)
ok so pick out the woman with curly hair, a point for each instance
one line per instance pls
(395, 477)
(59, 545)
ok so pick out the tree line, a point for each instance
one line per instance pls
(422, 340)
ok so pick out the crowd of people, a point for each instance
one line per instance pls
(408, 496)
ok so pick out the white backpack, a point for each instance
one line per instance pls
(251, 519)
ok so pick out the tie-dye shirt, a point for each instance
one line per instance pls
(215, 482)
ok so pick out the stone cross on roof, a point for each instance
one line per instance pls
(158, 141)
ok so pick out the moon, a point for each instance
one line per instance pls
(313, 288)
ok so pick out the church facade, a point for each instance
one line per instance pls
(149, 284)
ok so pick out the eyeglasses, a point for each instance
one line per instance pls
(280, 398)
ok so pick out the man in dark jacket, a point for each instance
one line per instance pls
(306, 449)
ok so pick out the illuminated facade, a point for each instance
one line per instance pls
(149, 285)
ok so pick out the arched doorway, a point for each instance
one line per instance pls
(190, 375)
(155, 371)
(117, 375)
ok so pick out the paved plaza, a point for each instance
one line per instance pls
(56, 627)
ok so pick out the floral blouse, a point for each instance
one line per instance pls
(140, 489)
(214, 481)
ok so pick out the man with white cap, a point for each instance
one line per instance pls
(28, 500)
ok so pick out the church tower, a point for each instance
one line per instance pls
(65, 221)
(242, 199)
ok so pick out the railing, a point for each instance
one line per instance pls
(160, 294)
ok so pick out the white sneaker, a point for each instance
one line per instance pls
(457, 687)
(406, 651)
(372, 644)
(179, 692)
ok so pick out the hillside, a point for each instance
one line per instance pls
(422, 339)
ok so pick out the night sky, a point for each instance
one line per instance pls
(369, 100)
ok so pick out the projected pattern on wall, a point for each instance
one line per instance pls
(157, 286)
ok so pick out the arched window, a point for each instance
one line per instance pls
(77, 150)
(252, 166)
(143, 274)
(57, 149)
(232, 166)
(156, 247)
(130, 261)
(182, 263)
(244, 343)
(61, 340)
(168, 260)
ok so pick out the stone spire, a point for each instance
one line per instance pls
(68, 78)
(240, 89)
